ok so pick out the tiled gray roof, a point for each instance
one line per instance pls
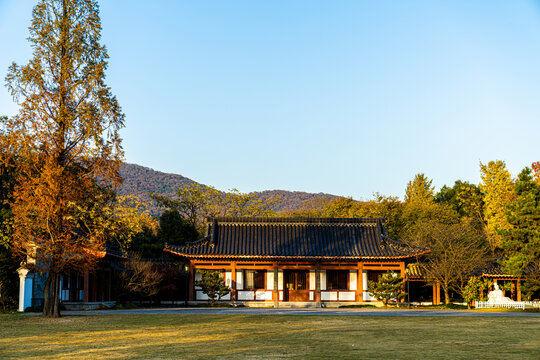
(313, 238)
(494, 269)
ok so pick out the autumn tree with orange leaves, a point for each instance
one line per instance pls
(64, 143)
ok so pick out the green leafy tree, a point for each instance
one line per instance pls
(466, 199)
(388, 287)
(473, 290)
(420, 189)
(195, 203)
(212, 285)
(498, 189)
(529, 288)
(521, 241)
(66, 142)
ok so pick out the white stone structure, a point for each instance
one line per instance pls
(496, 296)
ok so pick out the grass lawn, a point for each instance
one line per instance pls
(270, 336)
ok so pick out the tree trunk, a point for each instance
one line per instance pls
(446, 296)
(51, 304)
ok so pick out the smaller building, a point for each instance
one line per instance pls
(77, 291)
(313, 260)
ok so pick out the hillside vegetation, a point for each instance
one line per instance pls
(140, 180)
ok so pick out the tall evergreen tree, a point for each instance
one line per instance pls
(521, 241)
(67, 142)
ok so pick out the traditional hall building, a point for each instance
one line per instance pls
(310, 260)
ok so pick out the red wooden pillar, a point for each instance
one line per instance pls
(513, 291)
(360, 283)
(436, 294)
(233, 281)
(403, 275)
(518, 285)
(318, 284)
(275, 293)
(191, 294)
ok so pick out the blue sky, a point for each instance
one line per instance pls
(344, 97)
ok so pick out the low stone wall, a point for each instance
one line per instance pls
(88, 305)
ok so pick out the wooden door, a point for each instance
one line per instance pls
(296, 285)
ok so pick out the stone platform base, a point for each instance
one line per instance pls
(291, 304)
(88, 305)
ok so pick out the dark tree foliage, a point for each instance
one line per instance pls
(521, 242)
(173, 229)
(8, 264)
(466, 199)
(147, 244)
(388, 287)
(212, 285)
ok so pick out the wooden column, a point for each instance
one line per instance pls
(436, 294)
(403, 275)
(275, 294)
(318, 285)
(191, 293)
(513, 291)
(233, 281)
(518, 290)
(360, 283)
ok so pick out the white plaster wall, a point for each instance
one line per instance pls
(246, 295)
(329, 295)
(365, 295)
(280, 280)
(312, 280)
(311, 296)
(352, 279)
(323, 279)
(198, 277)
(270, 280)
(325, 296)
(228, 278)
(263, 295)
(346, 296)
(201, 296)
(281, 296)
(239, 279)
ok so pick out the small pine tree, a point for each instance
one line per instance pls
(388, 287)
(212, 285)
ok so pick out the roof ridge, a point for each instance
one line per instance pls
(282, 220)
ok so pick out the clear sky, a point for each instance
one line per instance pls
(344, 97)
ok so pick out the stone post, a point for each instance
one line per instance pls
(25, 289)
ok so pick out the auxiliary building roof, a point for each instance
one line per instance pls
(307, 238)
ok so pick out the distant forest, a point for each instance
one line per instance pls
(140, 180)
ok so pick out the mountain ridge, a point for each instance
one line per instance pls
(141, 180)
